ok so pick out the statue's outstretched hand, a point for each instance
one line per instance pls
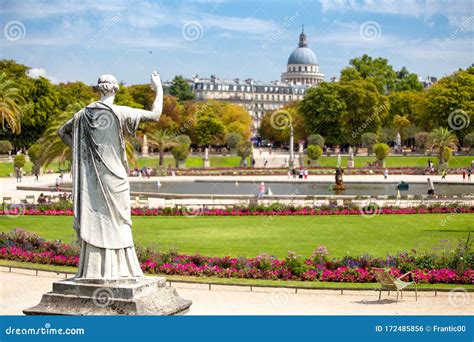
(155, 80)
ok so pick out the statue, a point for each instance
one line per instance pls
(108, 263)
(101, 191)
(145, 145)
(207, 162)
(339, 186)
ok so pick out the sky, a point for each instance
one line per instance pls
(68, 40)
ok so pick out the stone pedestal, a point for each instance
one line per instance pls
(142, 296)
(350, 164)
(207, 163)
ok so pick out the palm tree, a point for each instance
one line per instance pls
(10, 104)
(163, 140)
(440, 138)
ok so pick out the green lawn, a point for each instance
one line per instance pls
(250, 236)
(232, 161)
(397, 161)
(193, 162)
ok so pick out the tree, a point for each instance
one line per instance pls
(365, 110)
(407, 81)
(19, 160)
(447, 153)
(124, 98)
(10, 104)
(368, 141)
(421, 140)
(5, 146)
(244, 149)
(375, 70)
(34, 153)
(381, 152)
(314, 152)
(469, 141)
(232, 140)
(163, 140)
(441, 138)
(401, 123)
(316, 139)
(181, 152)
(181, 89)
(209, 131)
(450, 102)
(322, 109)
(408, 104)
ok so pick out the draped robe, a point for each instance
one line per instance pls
(101, 192)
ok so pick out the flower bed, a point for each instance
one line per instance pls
(457, 268)
(259, 210)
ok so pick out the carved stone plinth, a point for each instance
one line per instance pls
(142, 296)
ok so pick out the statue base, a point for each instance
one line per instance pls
(142, 296)
(207, 163)
(350, 164)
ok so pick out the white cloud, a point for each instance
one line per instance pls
(39, 72)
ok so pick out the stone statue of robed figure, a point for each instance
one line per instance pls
(101, 191)
(109, 280)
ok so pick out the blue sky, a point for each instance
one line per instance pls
(79, 40)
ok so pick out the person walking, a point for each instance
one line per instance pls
(469, 170)
(305, 173)
(261, 190)
(431, 189)
(443, 175)
(385, 173)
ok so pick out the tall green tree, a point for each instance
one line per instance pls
(181, 89)
(450, 102)
(376, 70)
(323, 109)
(365, 110)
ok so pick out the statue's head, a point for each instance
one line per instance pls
(107, 84)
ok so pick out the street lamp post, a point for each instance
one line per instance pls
(292, 142)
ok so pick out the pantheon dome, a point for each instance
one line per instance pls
(302, 66)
